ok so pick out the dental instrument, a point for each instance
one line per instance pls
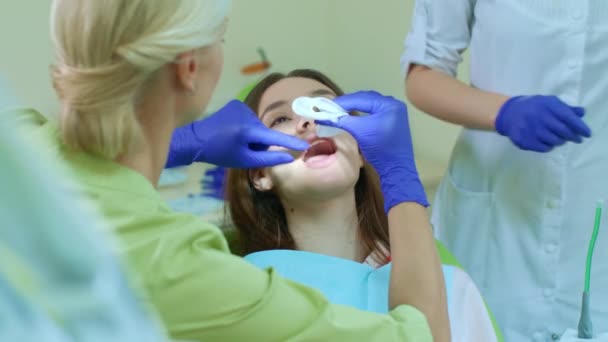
(585, 326)
(319, 108)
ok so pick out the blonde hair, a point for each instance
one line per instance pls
(106, 51)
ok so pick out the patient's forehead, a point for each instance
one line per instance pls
(290, 88)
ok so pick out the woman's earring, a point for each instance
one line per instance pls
(265, 184)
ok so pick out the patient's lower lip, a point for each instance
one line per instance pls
(320, 161)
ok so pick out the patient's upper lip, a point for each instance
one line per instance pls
(311, 138)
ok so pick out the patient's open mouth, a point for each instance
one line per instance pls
(320, 147)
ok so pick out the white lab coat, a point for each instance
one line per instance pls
(520, 222)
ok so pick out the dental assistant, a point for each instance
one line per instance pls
(516, 205)
(128, 73)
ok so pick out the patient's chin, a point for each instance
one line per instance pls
(189, 118)
(320, 189)
(323, 182)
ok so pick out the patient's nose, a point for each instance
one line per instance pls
(305, 125)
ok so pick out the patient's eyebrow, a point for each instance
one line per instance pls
(321, 92)
(272, 106)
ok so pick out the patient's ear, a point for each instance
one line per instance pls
(260, 179)
(361, 160)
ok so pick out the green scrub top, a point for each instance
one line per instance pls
(201, 291)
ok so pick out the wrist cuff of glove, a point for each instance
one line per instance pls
(398, 190)
(500, 124)
(185, 147)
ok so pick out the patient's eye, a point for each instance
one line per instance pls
(279, 120)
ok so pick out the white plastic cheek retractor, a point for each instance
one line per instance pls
(319, 108)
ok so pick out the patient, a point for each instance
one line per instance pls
(328, 201)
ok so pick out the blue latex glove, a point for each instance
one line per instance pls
(385, 141)
(540, 123)
(233, 137)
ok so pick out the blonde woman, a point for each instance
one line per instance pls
(128, 73)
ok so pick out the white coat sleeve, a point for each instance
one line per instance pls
(440, 32)
(469, 316)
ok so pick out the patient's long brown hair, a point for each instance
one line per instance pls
(259, 217)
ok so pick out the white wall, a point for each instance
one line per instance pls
(26, 54)
(366, 47)
(292, 32)
(356, 42)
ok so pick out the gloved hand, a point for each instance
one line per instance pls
(540, 123)
(385, 141)
(233, 137)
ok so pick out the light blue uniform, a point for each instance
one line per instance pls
(351, 283)
(59, 278)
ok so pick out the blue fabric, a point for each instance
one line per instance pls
(342, 281)
(59, 275)
(23, 320)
